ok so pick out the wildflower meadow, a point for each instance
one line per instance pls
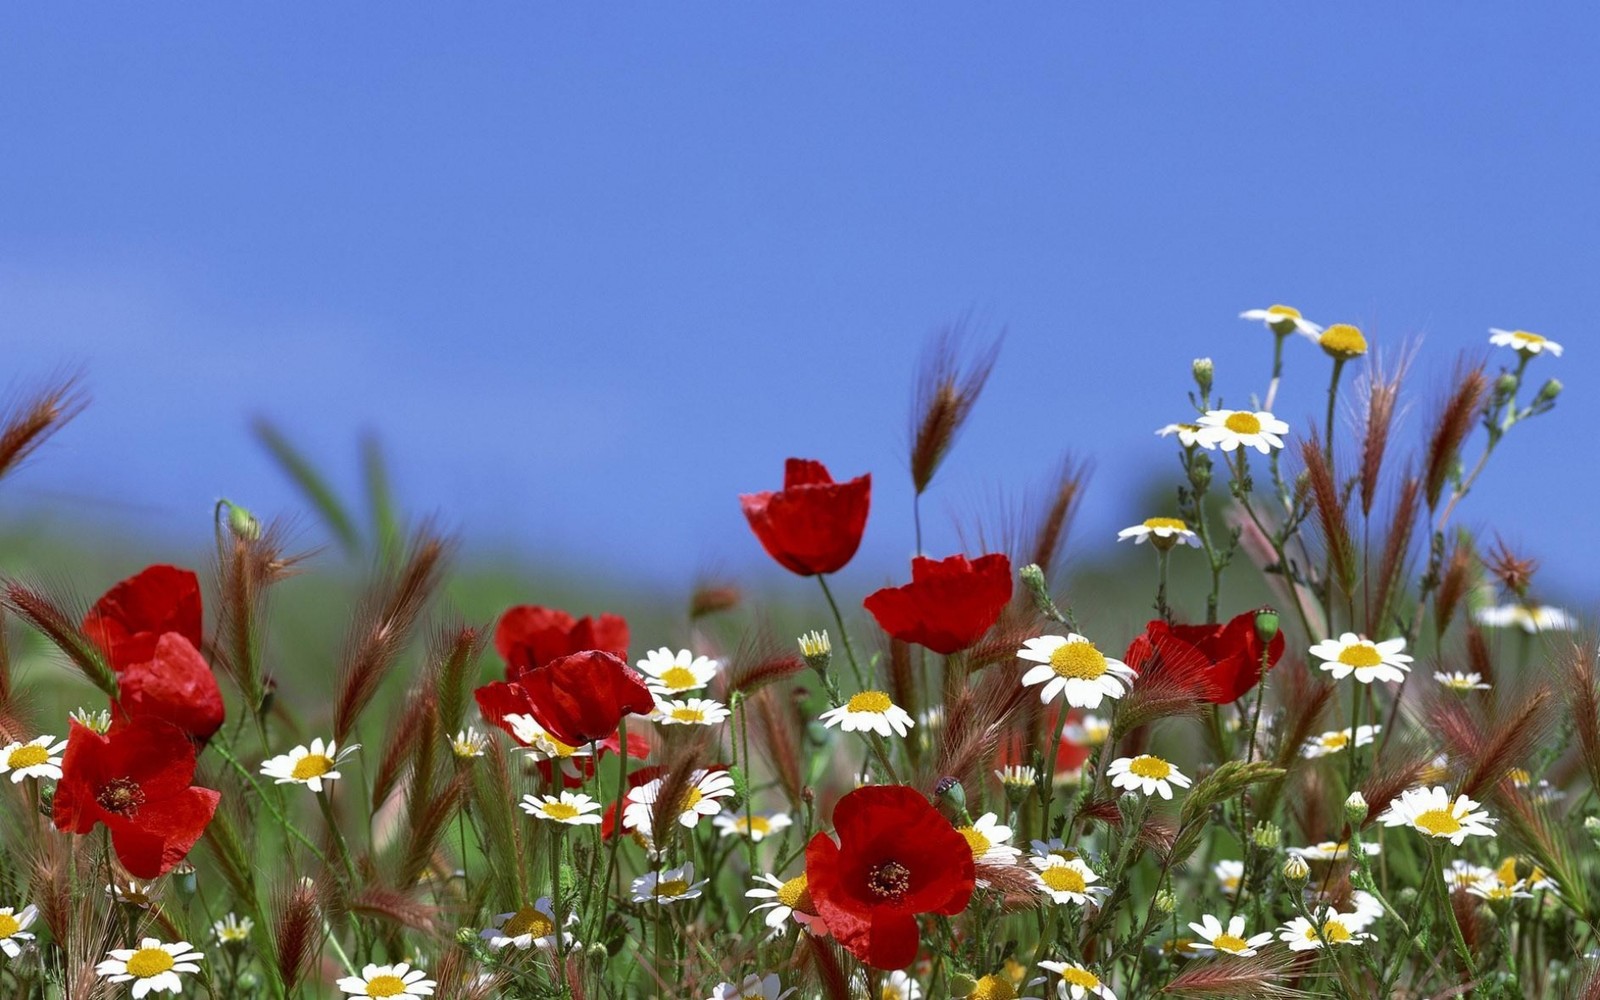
(1353, 753)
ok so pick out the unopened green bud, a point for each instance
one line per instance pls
(1267, 836)
(1406, 898)
(1506, 385)
(1591, 826)
(1548, 393)
(248, 981)
(962, 985)
(1266, 625)
(1039, 589)
(242, 523)
(1296, 871)
(1204, 371)
(466, 936)
(597, 954)
(1166, 902)
(950, 790)
(1200, 473)
(1355, 809)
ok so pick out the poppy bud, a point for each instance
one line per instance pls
(1203, 371)
(242, 523)
(1355, 808)
(1266, 625)
(950, 790)
(1296, 871)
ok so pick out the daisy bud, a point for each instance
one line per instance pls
(1203, 370)
(1355, 808)
(1200, 473)
(1296, 871)
(1166, 902)
(466, 937)
(1406, 898)
(1506, 386)
(1591, 826)
(1267, 836)
(1548, 393)
(242, 523)
(1342, 341)
(99, 722)
(817, 650)
(1266, 626)
(1033, 578)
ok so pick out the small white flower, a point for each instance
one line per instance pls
(541, 746)
(691, 712)
(1067, 880)
(869, 711)
(1333, 850)
(133, 894)
(668, 886)
(34, 759)
(530, 927)
(1089, 731)
(1229, 874)
(1078, 982)
(152, 967)
(755, 826)
(1162, 532)
(1283, 320)
(1188, 434)
(1234, 429)
(1055, 847)
(699, 799)
(754, 987)
(1001, 985)
(782, 899)
(231, 930)
(814, 644)
(897, 985)
(1016, 777)
(1338, 740)
(1369, 661)
(1531, 618)
(573, 808)
(469, 743)
(309, 766)
(1464, 875)
(399, 980)
(1073, 667)
(1496, 891)
(1431, 812)
(14, 928)
(1231, 940)
(97, 720)
(1146, 773)
(1523, 341)
(668, 673)
(1456, 680)
(990, 842)
(1301, 935)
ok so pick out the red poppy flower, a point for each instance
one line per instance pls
(529, 636)
(1017, 749)
(135, 780)
(582, 698)
(133, 616)
(175, 685)
(948, 605)
(897, 856)
(1231, 654)
(813, 525)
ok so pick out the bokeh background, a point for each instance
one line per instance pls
(588, 274)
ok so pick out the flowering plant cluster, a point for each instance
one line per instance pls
(1349, 754)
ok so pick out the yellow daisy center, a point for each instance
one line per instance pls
(691, 798)
(688, 715)
(1528, 338)
(1335, 741)
(1077, 661)
(1230, 882)
(1342, 339)
(1169, 523)
(1459, 682)
(312, 765)
(679, 678)
(753, 824)
(1506, 874)
(795, 894)
(28, 756)
(1230, 942)
(1242, 423)
(9, 925)
(528, 921)
(147, 962)
(386, 986)
(1146, 766)
(1287, 312)
(1081, 977)
(559, 749)
(1063, 878)
(869, 701)
(560, 810)
(1519, 776)
(1336, 932)
(992, 988)
(891, 993)
(1362, 654)
(671, 887)
(1437, 822)
(976, 840)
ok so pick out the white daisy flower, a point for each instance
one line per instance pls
(309, 766)
(1334, 850)
(1538, 881)
(399, 980)
(782, 900)
(1464, 875)
(1338, 739)
(897, 985)
(1229, 874)
(1188, 434)
(668, 886)
(815, 644)
(1016, 777)
(1283, 320)
(540, 745)
(232, 930)
(1369, 661)
(755, 826)
(152, 967)
(1531, 618)
(133, 894)
(1461, 682)
(668, 673)
(469, 743)
(869, 711)
(1067, 880)
(1055, 847)
(699, 799)
(1072, 666)
(691, 712)
(14, 928)
(1078, 982)
(1146, 773)
(997, 985)
(1431, 812)
(1496, 891)
(1233, 429)
(1162, 532)
(573, 808)
(530, 927)
(1523, 341)
(990, 842)
(1301, 934)
(1089, 731)
(754, 987)
(1229, 940)
(34, 759)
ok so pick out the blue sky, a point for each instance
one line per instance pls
(592, 273)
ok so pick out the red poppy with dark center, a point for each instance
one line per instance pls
(149, 626)
(897, 856)
(529, 636)
(949, 603)
(135, 780)
(813, 525)
(1231, 654)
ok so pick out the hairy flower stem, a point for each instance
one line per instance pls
(1162, 610)
(616, 832)
(1448, 913)
(844, 634)
(1277, 369)
(1333, 400)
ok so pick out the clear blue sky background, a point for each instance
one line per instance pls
(592, 273)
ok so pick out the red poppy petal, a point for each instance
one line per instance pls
(175, 685)
(893, 943)
(128, 620)
(152, 841)
(498, 700)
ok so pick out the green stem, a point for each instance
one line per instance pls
(844, 634)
